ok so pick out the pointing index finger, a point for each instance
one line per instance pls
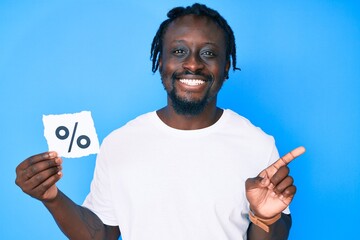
(287, 158)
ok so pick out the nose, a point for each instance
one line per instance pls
(193, 63)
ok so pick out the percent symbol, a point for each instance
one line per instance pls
(62, 133)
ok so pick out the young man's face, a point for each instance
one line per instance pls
(193, 63)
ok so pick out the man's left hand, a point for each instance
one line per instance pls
(272, 190)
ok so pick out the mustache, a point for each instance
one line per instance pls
(206, 77)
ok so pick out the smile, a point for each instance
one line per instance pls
(192, 82)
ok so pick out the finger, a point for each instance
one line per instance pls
(38, 167)
(42, 188)
(253, 183)
(283, 185)
(41, 178)
(35, 159)
(287, 158)
(289, 192)
(287, 195)
(280, 175)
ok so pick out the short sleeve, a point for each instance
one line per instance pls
(274, 155)
(99, 200)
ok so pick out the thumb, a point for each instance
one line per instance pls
(256, 182)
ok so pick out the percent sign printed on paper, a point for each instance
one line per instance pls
(71, 135)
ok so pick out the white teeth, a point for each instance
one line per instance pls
(192, 82)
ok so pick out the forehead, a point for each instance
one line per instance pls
(191, 26)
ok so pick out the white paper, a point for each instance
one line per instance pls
(71, 135)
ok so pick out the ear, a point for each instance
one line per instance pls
(227, 67)
(160, 64)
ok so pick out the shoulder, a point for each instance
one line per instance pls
(135, 126)
(243, 126)
(252, 140)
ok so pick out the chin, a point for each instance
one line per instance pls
(187, 107)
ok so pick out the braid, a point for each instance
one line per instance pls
(200, 10)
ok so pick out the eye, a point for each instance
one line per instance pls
(179, 52)
(208, 53)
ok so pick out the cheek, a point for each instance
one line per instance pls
(166, 71)
(165, 76)
(220, 71)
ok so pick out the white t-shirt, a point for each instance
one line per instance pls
(156, 182)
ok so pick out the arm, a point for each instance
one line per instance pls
(269, 194)
(277, 231)
(37, 176)
(78, 222)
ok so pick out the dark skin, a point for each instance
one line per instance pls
(193, 47)
(37, 176)
(197, 44)
(189, 46)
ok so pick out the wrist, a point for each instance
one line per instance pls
(263, 223)
(54, 200)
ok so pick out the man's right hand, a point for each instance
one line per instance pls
(37, 175)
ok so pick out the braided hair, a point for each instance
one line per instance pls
(199, 10)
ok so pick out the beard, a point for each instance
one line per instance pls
(184, 106)
(187, 107)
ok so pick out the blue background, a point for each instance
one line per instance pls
(299, 82)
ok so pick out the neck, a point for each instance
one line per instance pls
(206, 118)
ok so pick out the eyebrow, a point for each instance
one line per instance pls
(206, 43)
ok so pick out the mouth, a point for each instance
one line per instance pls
(192, 82)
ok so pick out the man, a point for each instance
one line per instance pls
(187, 171)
